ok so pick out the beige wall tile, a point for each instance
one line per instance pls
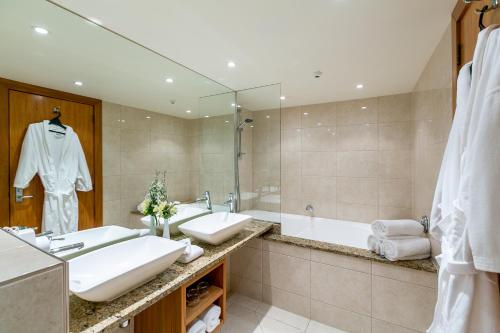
(290, 140)
(380, 326)
(318, 163)
(362, 191)
(291, 163)
(287, 301)
(135, 140)
(318, 115)
(394, 164)
(111, 188)
(290, 118)
(357, 164)
(356, 212)
(354, 113)
(394, 108)
(247, 263)
(111, 213)
(289, 250)
(111, 138)
(394, 213)
(246, 287)
(287, 273)
(395, 193)
(111, 115)
(318, 139)
(394, 136)
(357, 137)
(344, 288)
(329, 258)
(404, 274)
(404, 304)
(339, 318)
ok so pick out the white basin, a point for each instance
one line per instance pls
(92, 239)
(110, 272)
(185, 212)
(215, 228)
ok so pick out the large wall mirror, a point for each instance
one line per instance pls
(142, 116)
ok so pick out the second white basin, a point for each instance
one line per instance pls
(215, 228)
(110, 272)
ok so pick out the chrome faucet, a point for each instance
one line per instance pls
(310, 209)
(231, 202)
(67, 247)
(206, 198)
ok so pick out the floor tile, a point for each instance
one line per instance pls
(316, 327)
(284, 316)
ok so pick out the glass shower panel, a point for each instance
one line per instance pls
(214, 148)
(258, 164)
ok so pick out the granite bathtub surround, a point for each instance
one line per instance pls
(35, 285)
(339, 286)
(91, 317)
(351, 160)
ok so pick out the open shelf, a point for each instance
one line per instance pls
(192, 312)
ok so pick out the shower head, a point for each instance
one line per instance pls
(244, 123)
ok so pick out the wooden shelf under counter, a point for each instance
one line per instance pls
(172, 315)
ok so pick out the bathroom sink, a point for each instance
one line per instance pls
(215, 228)
(185, 212)
(92, 239)
(110, 272)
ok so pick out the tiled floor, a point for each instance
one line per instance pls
(245, 315)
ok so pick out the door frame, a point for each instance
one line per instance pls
(5, 187)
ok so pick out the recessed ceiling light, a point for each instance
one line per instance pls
(207, 116)
(251, 126)
(231, 64)
(40, 30)
(78, 83)
(169, 80)
(188, 111)
(148, 117)
(233, 104)
(268, 117)
(226, 121)
(282, 98)
(364, 107)
(306, 113)
(359, 86)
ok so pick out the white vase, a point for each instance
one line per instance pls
(166, 229)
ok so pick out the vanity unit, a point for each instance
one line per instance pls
(160, 305)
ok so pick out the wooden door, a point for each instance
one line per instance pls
(26, 108)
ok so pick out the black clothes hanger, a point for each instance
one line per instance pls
(481, 17)
(57, 121)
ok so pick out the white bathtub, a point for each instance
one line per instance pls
(339, 232)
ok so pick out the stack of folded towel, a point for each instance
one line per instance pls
(207, 321)
(399, 240)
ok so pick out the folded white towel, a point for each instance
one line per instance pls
(198, 326)
(389, 228)
(373, 244)
(213, 325)
(194, 252)
(406, 249)
(211, 314)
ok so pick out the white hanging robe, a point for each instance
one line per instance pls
(60, 163)
(468, 300)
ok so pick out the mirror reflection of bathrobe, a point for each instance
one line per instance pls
(60, 163)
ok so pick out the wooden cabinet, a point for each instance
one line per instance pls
(172, 315)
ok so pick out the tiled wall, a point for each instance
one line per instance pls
(350, 160)
(354, 295)
(136, 143)
(432, 117)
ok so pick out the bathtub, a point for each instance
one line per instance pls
(320, 229)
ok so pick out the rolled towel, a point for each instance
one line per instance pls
(213, 325)
(194, 253)
(373, 244)
(389, 228)
(406, 249)
(198, 326)
(211, 314)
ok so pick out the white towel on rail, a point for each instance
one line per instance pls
(373, 243)
(389, 228)
(211, 314)
(213, 325)
(406, 249)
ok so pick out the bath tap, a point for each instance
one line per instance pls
(310, 209)
(231, 202)
(206, 198)
(67, 247)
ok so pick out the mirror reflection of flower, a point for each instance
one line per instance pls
(156, 203)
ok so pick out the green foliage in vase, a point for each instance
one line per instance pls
(156, 201)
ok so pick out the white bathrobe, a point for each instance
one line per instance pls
(60, 163)
(468, 299)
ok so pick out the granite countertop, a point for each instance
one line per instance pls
(275, 235)
(91, 317)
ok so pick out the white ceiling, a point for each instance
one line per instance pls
(383, 44)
